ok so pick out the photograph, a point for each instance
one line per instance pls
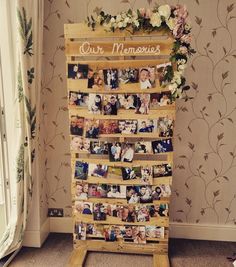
(83, 207)
(128, 213)
(114, 172)
(116, 191)
(113, 232)
(80, 231)
(127, 153)
(95, 104)
(153, 231)
(99, 147)
(108, 126)
(81, 170)
(97, 170)
(92, 128)
(160, 99)
(79, 144)
(110, 104)
(132, 194)
(135, 234)
(128, 75)
(111, 79)
(147, 126)
(77, 71)
(109, 209)
(76, 125)
(143, 147)
(159, 210)
(114, 150)
(162, 170)
(128, 233)
(147, 77)
(81, 191)
(154, 100)
(162, 146)
(145, 194)
(98, 212)
(95, 79)
(146, 174)
(95, 230)
(97, 191)
(127, 126)
(130, 173)
(165, 126)
(142, 104)
(78, 99)
(160, 191)
(142, 213)
(161, 70)
(128, 101)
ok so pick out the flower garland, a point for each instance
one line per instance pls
(164, 17)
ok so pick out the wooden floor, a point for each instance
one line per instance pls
(183, 253)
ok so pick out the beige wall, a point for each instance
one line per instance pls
(204, 187)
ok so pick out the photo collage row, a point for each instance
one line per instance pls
(112, 233)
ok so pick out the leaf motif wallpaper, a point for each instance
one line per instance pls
(204, 184)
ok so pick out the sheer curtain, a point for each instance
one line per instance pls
(25, 33)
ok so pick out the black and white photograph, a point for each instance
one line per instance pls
(99, 147)
(165, 126)
(80, 231)
(79, 144)
(111, 79)
(162, 146)
(97, 170)
(77, 71)
(115, 151)
(127, 153)
(143, 147)
(146, 174)
(127, 126)
(78, 99)
(76, 125)
(142, 213)
(147, 77)
(83, 207)
(92, 128)
(108, 127)
(95, 104)
(98, 212)
(161, 70)
(147, 126)
(81, 170)
(130, 173)
(153, 231)
(159, 210)
(162, 170)
(145, 194)
(81, 191)
(142, 104)
(95, 79)
(128, 101)
(110, 105)
(97, 191)
(116, 191)
(128, 75)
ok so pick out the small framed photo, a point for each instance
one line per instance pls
(76, 125)
(128, 101)
(116, 191)
(81, 191)
(128, 213)
(142, 104)
(146, 174)
(80, 231)
(99, 147)
(83, 207)
(153, 231)
(78, 99)
(114, 151)
(161, 72)
(143, 147)
(77, 71)
(133, 194)
(128, 75)
(142, 212)
(147, 77)
(97, 191)
(159, 210)
(92, 128)
(110, 105)
(95, 79)
(162, 146)
(108, 126)
(147, 126)
(162, 170)
(81, 170)
(127, 126)
(130, 173)
(165, 126)
(95, 104)
(97, 170)
(79, 144)
(127, 153)
(99, 212)
(111, 79)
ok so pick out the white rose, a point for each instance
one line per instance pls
(164, 11)
(182, 67)
(171, 23)
(99, 18)
(173, 87)
(120, 24)
(177, 77)
(136, 23)
(118, 18)
(134, 15)
(127, 20)
(187, 26)
(123, 15)
(112, 20)
(155, 20)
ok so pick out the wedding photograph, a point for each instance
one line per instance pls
(146, 174)
(114, 151)
(128, 75)
(161, 70)
(127, 126)
(142, 104)
(127, 101)
(127, 153)
(111, 79)
(95, 104)
(116, 191)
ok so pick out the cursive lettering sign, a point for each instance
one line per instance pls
(87, 49)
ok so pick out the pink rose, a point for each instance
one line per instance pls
(186, 38)
(181, 12)
(178, 29)
(142, 11)
(183, 50)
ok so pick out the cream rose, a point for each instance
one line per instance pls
(164, 11)
(171, 22)
(155, 20)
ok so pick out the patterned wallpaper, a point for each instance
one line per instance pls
(204, 184)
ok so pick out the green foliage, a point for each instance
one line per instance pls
(19, 84)
(20, 164)
(31, 116)
(30, 74)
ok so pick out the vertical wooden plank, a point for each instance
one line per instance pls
(77, 257)
(160, 260)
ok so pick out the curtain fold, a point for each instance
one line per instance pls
(23, 161)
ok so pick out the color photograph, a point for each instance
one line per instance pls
(162, 146)
(81, 170)
(78, 99)
(147, 78)
(92, 128)
(79, 144)
(97, 170)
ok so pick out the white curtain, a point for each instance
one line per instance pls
(23, 156)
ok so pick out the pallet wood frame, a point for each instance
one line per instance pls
(74, 35)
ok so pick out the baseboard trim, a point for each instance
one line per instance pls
(177, 230)
(37, 238)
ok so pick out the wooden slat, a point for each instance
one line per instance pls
(77, 257)
(160, 260)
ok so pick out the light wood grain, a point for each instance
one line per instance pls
(77, 257)
(160, 260)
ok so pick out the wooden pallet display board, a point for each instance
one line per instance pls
(117, 50)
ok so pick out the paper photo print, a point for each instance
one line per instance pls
(147, 77)
(135, 234)
(83, 207)
(147, 126)
(142, 104)
(77, 71)
(80, 231)
(160, 191)
(153, 231)
(95, 104)
(128, 101)
(162, 170)
(97, 191)
(142, 212)
(161, 70)
(128, 75)
(114, 151)
(113, 233)
(76, 125)
(99, 147)
(127, 126)
(95, 79)
(111, 79)
(143, 147)
(133, 194)
(146, 174)
(81, 170)
(131, 173)
(110, 105)
(116, 191)
(95, 231)
(159, 210)
(97, 170)
(79, 144)
(99, 212)
(92, 128)
(127, 153)
(108, 126)
(128, 213)
(165, 126)
(162, 146)
(78, 99)
(81, 191)
(114, 172)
